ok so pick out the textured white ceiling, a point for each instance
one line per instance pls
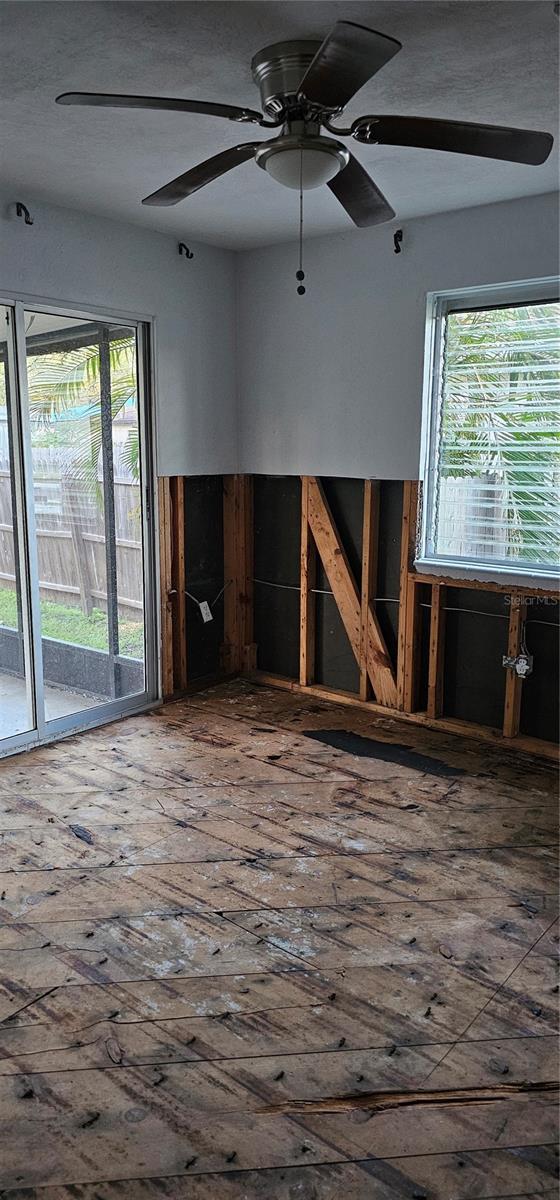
(490, 61)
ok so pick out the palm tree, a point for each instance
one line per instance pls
(500, 419)
(66, 383)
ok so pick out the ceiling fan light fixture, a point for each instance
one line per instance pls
(309, 161)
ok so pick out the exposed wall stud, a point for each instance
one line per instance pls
(370, 535)
(514, 683)
(179, 583)
(319, 535)
(412, 648)
(409, 607)
(308, 576)
(166, 585)
(436, 661)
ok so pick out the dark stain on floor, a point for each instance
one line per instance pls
(390, 752)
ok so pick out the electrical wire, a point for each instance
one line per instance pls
(214, 601)
(475, 612)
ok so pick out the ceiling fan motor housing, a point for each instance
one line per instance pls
(278, 71)
(302, 160)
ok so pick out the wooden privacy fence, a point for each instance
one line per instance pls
(71, 542)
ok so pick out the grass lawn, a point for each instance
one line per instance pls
(71, 625)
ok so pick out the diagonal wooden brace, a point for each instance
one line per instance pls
(347, 597)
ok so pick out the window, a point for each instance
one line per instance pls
(491, 437)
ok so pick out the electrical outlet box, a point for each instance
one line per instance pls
(205, 611)
(522, 664)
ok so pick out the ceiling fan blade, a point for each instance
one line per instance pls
(347, 58)
(204, 173)
(487, 141)
(358, 194)
(107, 100)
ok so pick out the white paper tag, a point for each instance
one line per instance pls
(205, 611)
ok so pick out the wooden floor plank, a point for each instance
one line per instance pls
(526, 1004)
(235, 955)
(107, 951)
(486, 1175)
(115, 1123)
(288, 1042)
(362, 935)
(338, 829)
(274, 882)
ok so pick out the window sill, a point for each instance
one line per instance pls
(484, 574)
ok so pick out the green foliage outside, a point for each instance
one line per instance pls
(67, 384)
(501, 416)
(70, 625)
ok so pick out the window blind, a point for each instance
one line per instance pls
(497, 471)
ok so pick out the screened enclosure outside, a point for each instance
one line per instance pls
(495, 496)
(83, 500)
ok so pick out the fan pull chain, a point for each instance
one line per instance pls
(300, 274)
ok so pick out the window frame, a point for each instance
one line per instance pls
(439, 304)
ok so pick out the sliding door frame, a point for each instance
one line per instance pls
(22, 538)
(143, 326)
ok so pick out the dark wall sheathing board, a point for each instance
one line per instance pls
(476, 637)
(204, 569)
(277, 538)
(540, 715)
(277, 531)
(389, 562)
(474, 678)
(424, 641)
(476, 621)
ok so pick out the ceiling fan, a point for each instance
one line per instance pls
(304, 87)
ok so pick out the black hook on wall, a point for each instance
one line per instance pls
(397, 240)
(185, 250)
(23, 211)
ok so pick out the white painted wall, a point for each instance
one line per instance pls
(331, 383)
(73, 258)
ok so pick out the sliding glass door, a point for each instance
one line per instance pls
(17, 709)
(76, 580)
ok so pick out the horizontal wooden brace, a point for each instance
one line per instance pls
(522, 744)
(479, 585)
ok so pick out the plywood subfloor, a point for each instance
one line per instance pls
(237, 963)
